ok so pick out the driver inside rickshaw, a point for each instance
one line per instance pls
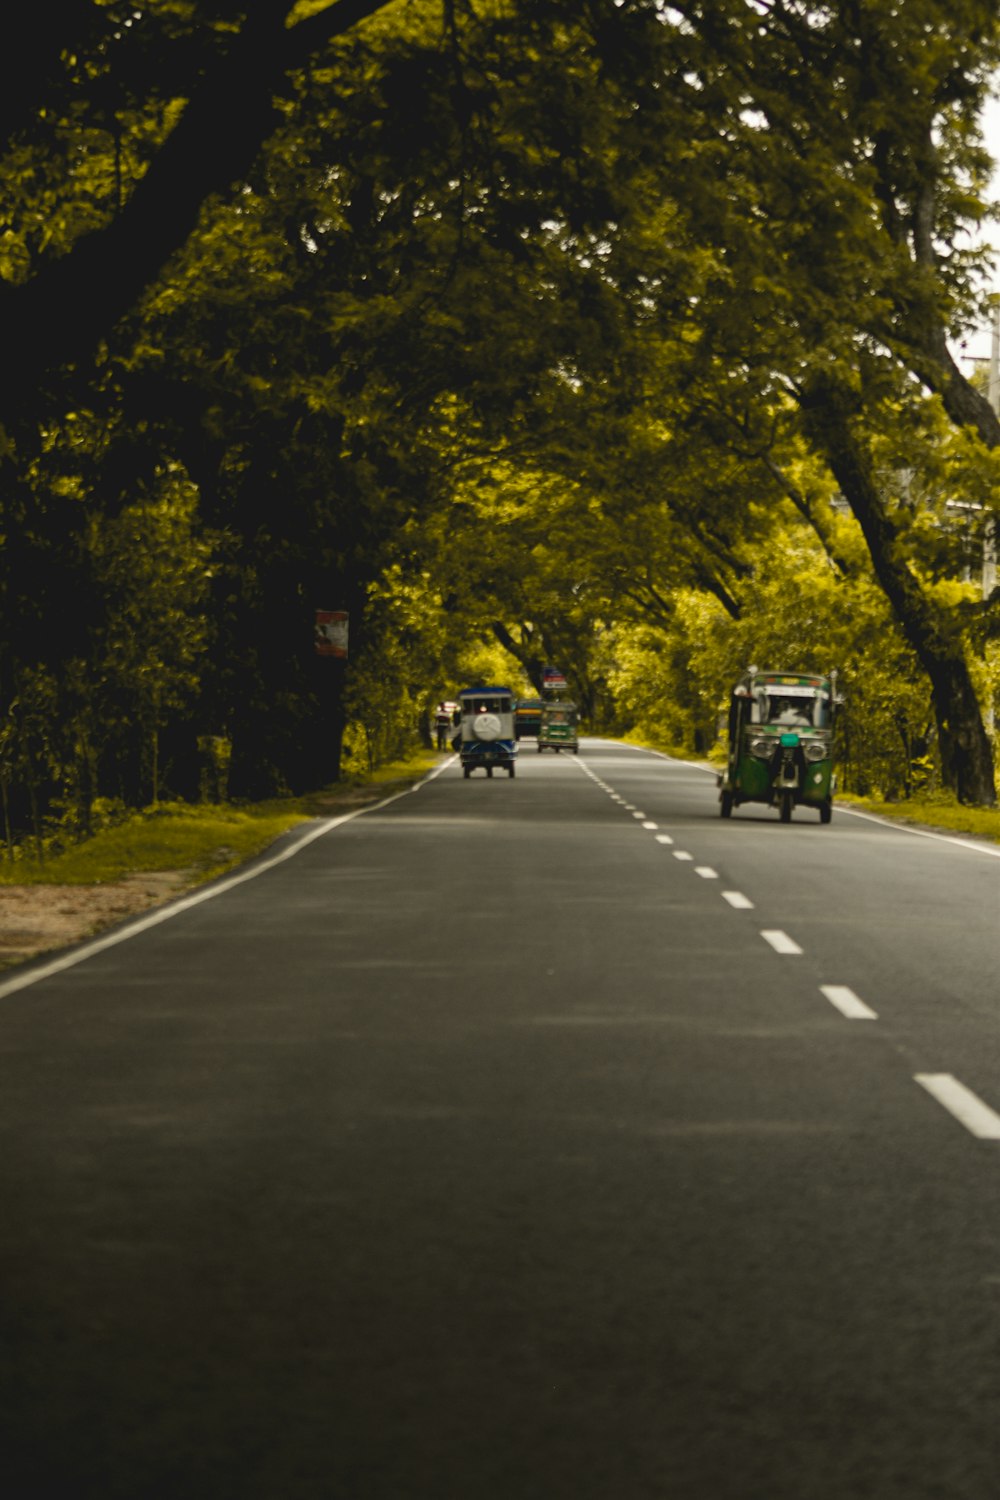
(794, 711)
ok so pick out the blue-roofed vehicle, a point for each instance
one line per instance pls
(487, 730)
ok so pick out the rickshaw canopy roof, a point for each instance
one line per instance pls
(785, 684)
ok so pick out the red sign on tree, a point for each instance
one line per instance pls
(331, 632)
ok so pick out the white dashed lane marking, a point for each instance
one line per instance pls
(847, 1002)
(780, 941)
(965, 1106)
(961, 1103)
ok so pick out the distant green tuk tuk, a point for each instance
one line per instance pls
(781, 743)
(557, 730)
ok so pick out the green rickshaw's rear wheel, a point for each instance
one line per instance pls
(826, 811)
(725, 804)
(786, 807)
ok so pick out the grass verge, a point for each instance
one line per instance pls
(938, 810)
(207, 839)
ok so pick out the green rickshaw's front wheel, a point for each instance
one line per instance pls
(786, 807)
(826, 811)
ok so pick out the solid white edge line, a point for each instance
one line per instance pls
(921, 833)
(847, 1002)
(195, 898)
(780, 941)
(960, 1102)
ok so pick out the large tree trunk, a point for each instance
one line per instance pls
(966, 753)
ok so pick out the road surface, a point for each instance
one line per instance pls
(533, 1139)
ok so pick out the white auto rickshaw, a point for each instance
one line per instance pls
(487, 730)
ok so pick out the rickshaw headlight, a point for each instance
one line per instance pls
(816, 750)
(761, 748)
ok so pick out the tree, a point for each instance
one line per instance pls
(836, 213)
(604, 295)
(149, 80)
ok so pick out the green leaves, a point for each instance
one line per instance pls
(567, 326)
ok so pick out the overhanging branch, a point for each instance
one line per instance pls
(61, 314)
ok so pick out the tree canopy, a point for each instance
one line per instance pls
(615, 333)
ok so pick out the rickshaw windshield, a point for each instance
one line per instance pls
(806, 709)
(486, 705)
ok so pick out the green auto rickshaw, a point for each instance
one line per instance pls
(780, 750)
(557, 730)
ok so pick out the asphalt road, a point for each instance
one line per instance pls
(532, 1139)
